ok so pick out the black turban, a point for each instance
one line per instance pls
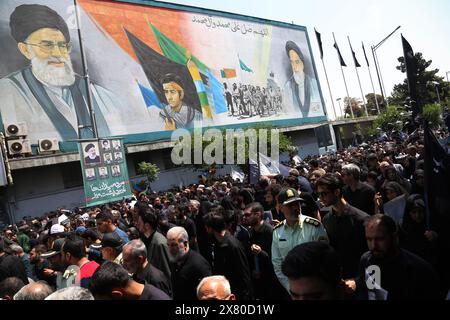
(290, 45)
(28, 18)
(89, 146)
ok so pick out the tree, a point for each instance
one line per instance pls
(391, 119)
(428, 84)
(371, 104)
(432, 113)
(150, 170)
(356, 107)
(284, 145)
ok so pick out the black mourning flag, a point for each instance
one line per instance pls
(156, 66)
(365, 55)
(319, 42)
(339, 54)
(354, 56)
(411, 68)
(437, 178)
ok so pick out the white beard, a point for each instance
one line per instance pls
(51, 75)
(299, 78)
(180, 254)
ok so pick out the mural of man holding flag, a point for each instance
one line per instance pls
(176, 114)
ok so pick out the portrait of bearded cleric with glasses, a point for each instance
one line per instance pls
(47, 94)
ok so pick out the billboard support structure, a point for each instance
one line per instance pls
(93, 125)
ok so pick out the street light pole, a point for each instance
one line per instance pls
(339, 102)
(378, 75)
(447, 75)
(377, 64)
(436, 86)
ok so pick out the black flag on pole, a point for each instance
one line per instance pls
(411, 69)
(437, 178)
(339, 54)
(319, 41)
(365, 55)
(354, 56)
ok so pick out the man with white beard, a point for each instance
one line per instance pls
(188, 267)
(47, 94)
(301, 91)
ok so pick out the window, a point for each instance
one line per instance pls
(71, 173)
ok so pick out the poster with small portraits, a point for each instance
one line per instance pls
(105, 173)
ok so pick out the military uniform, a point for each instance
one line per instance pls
(285, 237)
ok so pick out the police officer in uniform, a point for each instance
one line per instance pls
(294, 230)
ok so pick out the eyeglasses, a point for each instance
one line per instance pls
(48, 46)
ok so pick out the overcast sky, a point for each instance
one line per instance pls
(425, 24)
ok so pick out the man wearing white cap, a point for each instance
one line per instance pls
(56, 231)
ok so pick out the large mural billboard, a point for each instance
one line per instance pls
(151, 70)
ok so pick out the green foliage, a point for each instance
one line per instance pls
(371, 104)
(428, 85)
(356, 105)
(148, 169)
(285, 145)
(432, 113)
(392, 118)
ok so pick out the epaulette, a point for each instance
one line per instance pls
(314, 222)
(278, 225)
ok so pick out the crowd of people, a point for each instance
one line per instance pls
(352, 225)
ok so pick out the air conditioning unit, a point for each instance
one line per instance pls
(16, 129)
(19, 146)
(48, 145)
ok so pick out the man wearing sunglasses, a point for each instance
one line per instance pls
(47, 94)
(294, 230)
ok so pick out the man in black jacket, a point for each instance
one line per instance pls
(10, 265)
(343, 222)
(358, 194)
(134, 255)
(188, 267)
(387, 272)
(111, 282)
(230, 259)
(259, 254)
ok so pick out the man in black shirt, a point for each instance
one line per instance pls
(134, 255)
(111, 282)
(343, 222)
(272, 192)
(11, 266)
(187, 266)
(42, 267)
(230, 259)
(259, 255)
(188, 224)
(387, 272)
(358, 194)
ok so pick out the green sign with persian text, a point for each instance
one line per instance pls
(104, 169)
